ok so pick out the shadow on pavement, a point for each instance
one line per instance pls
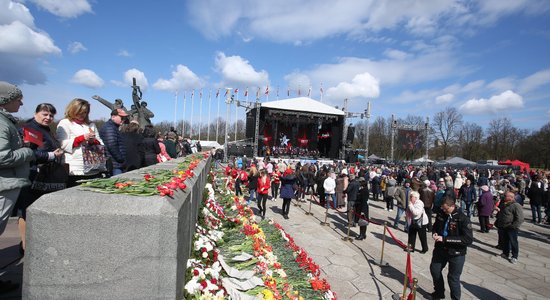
(481, 293)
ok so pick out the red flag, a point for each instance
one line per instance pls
(32, 136)
(218, 93)
(193, 93)
(267, 90)
(246, 92)
(226, 91)
(236, 91)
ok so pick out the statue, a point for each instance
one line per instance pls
(112, 106)
(144, 115)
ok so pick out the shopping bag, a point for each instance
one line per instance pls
(95, 158)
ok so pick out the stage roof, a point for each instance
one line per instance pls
(304, 104)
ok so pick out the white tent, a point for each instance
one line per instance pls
(423, 159)
(459, 161)
(304, 104)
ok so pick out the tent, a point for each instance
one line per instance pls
(522, 165)
(423, 159)
(458, 161)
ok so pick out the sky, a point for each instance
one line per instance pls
(489, 59)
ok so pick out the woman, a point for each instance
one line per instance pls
(341, 186)
(47, 152)
(135, 152)
(253, 183)
(150, 147)
(163, 155)
(264, 184)
(329, 185)
(275, 183)
(14, 160)
(362, 207)
(417, 220)
(485, 207)
(72, 133)
(288, 180)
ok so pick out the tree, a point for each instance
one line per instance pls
(447, 124)
(471, 141)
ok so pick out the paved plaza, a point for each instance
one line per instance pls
(350, 268)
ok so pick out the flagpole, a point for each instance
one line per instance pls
(236, 111)
(218, 119)
(200, 115)
(267, 94)
(192, 113)
(183, 116)
(176, 110)
(322, 95)
(209, 109)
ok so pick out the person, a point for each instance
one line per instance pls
(74, 131)
(319, 180)
(535, 194)
(163, 155)
(288, 180)
(329, 185)
(452, 233)
(467, 195)
(362, 208)
(253, 175)
(485, 207)
(391, 189)
(14, 160)
(401, 196)
(417, 220)
(114, 141)
(275, 183)
(151, 147)
(264, 184)
(135, 150)
(170, 143)
(47, 152)
(352, 192)
(427, 196)
(509, 219)
(341, 185)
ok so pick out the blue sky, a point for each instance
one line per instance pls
(489, 59)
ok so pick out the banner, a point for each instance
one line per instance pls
(410, 139)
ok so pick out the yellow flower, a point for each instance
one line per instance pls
(267, 294)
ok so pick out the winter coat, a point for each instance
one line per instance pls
(485, 204)
(44, 153)
(400, 197)
(171, 148)
(329, 185)
(287, 186)
(427, 196)
(352, 190)
(363, 200)
(467, 193)
(14, 159)
(263, 187)
(535, 193)
(253, 181)
(114, 142)
(510, 215)
(67, 131)
(416, 211)
(459, 232)
(151, 150)
(135, 151)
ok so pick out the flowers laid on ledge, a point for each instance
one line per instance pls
(236, 257)
(158, 182)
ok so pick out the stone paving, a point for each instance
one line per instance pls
(352, 272)
(351, 269)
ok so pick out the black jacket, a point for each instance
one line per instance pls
(135, 153)
(352, 190)
(114, 142)
(151, 149)
(460, 234)
(536, 193)
(49, 142)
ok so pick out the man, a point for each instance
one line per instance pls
(352, 191)
(14, 160)
(111, 136)
(427, 196)
(401, 196)
(452, 233)
(467, 196)
(536, 197)
(509, 219)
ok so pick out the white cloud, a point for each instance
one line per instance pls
(499, 103)
(87, 78)
(18, 38)
(13, 11)
(182, 78)
(76, 47)
(396, 54)
(444, 99)
(65, 8)
(297, 80)
(124, 53)
(293, 21)
(362, 86)
(502, 84)
(127, 81)
(535, 81)
(238, 71)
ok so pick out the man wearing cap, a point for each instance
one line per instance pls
(113, 140)
(14, 160)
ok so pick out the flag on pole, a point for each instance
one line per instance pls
(309, 92)
(246, 92)
(218, 93)
(267, 90)
(236, 91)
(32, 136)
(226, 91)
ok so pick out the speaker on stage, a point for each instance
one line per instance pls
(351, 135)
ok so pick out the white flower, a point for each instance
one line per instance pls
(192, 286)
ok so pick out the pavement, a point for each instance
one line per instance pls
(352, 267)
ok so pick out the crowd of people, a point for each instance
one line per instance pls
(441, 202)
(36, 159)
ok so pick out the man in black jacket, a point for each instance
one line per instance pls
(351, 191)
(113, 140)
(536, 197)
(452, 233)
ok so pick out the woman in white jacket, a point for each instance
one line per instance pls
(72, 132)
(417, 220)
(330, 189)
